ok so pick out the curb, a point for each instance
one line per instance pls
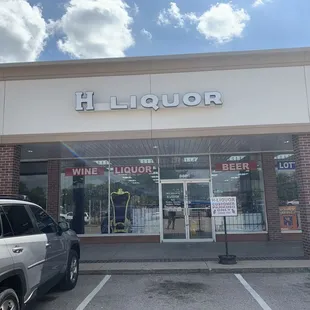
(192, 271)
(143, 272)
(189, 260)
(262, 270)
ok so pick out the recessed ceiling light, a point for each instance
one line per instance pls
(190, 159)
(30, 151)
(235, 158)
(146, 161)
(283, 156)
(102, 162)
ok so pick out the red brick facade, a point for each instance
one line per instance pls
(120, 239)
(301, 144)
(242, 237)
(271, 197)
(53, 188)
(9, 169)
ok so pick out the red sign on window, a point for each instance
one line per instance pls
(236, 166)
(84, 171)
(133, 169)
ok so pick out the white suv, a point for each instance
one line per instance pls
(35, 253)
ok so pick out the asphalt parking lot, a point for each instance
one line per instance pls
(191, 291)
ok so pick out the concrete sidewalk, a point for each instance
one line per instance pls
(188, 252)
(207, 267)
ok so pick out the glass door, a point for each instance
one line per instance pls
(186, 210)
(173, 211)
(199, 210)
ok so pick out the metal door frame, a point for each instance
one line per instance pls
(186, 213)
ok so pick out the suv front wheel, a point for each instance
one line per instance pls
(72, 273)
(8, 299)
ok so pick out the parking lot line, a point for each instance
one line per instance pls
(93, 293)
(248, 287)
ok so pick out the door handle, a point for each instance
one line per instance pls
(17, 249)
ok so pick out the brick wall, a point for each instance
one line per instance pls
(271, 197)
(53, 188)
(9, 169)
(301, 144)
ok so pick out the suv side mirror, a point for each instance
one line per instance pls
(64, 226)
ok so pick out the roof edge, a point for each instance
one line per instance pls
(156, 64)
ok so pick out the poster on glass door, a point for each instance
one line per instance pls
(224, 206)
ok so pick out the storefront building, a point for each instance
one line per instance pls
(131, 150)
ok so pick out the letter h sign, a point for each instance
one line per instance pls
(84, 101)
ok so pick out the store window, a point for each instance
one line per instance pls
(185, 167)
(110, 196)
(287, 192)
(84, 194)
(134, 206)
(33, 182)
(241, 176)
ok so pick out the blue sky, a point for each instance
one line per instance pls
(273, 24)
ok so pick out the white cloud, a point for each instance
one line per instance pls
(260, 3)
(135, 9)
(222, 22)
(22, 31)
(172, 15)
(95, 29)
(146, 33)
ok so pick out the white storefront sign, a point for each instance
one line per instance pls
(224, 206)
(84, 101)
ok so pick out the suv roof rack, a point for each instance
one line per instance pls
(15, 197)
